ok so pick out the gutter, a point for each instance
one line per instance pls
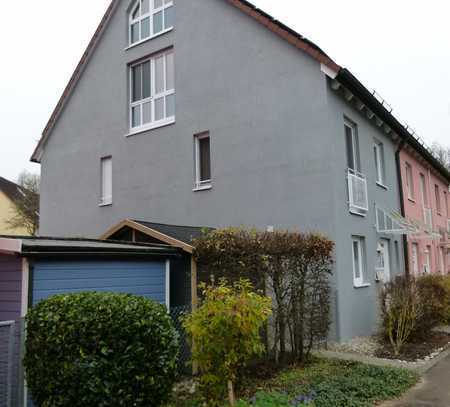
(346, 78)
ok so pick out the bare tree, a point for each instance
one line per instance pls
(26, 205)
(442, 153)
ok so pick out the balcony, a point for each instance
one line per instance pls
(357, 193)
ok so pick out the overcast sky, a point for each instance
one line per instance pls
(400, 48)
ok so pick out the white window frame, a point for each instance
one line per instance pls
(415, 258)
(150, 15)
(442, 260)
(437, 193)
(106, 200)
(423, 190)
(410, 181)
(427, 262)
(355, 150)
(153, 96)
(201, 185)
(379, 163)
(361, 280)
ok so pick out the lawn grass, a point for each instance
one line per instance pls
(324, 383)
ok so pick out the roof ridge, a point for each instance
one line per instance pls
(170, 224)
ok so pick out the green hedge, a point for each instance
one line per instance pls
(100, 349)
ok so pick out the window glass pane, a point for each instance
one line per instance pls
(157, 3)
(356, 260)
(145, 28)
(168, 1)
(159, 109)
(137, 83)
(145, 6)
(169, 17)
(349, 144)
(170, 71)
(170, 106)
(146, 82)
(157, 22)
(106, 192)
(205, 159)
(135, 33)
(377, 168)
(136, 116)
(146, 113)
(159, 74)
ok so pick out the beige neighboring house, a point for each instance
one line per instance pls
(9, 193)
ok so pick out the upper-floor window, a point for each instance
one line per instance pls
(447, 210)
(149, 18)
(409, 181)
(106, 181)
(437, 193)
(152, 92)
(352, 145)
(202, 147)
(423, 190)
(378, 151)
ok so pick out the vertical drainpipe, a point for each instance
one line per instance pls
(402, 203)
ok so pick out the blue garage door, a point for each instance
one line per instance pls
(141, 278)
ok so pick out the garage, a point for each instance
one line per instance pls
(33, 269)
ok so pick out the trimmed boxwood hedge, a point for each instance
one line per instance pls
(100, 349)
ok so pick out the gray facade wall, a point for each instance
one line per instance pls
(277, 140)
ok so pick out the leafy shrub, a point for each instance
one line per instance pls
(100, 349)
(295, 269)
(434, 297)
(446, 285)
(400, 311)
(225, 333)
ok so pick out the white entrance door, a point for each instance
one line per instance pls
(384, 262)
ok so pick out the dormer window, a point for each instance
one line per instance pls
(149, 18)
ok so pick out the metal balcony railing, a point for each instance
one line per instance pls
(357, 192)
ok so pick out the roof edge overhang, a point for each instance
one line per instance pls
(10, 246)
(347, 79)
(149, 232)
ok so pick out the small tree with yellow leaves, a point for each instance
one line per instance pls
(225, 332)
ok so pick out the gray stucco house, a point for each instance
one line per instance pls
(211, 113)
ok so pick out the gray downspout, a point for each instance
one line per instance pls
(402, 203)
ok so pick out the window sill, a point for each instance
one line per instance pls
(202, 188)
(139, 130)
(381, 185)
(149, 39)
(102, 205)
(358, 212)
(361, 285)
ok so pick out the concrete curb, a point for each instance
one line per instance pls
(419, 367)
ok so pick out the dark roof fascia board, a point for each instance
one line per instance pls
(97, 255)
(10, 189)
(346, 78)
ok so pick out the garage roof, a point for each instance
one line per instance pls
(50, 245)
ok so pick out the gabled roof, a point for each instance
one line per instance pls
(174, 235)
(10, 189)
(277, 28)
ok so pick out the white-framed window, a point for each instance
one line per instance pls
(378, 151)
(352, 145)
(202, 161)
(106, 181)
(415, 258)
(359, 261)
(409, 181)
(427, 262)
(442, 260)
(152, 92)
(437, 193)
(149, 18)
(423, 190)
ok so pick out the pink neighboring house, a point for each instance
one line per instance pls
(426, 203)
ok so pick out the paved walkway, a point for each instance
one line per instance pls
(432, 391)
